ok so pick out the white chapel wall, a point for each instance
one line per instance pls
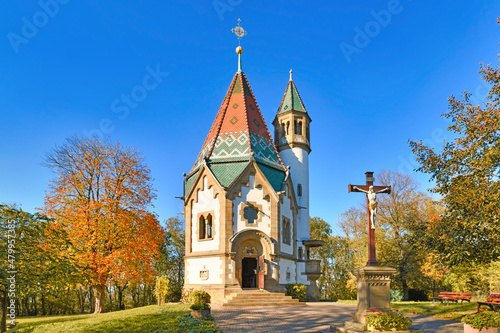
(255, 196)
(206, 203)
(301, 268)
(287, 269)
(286, 212)
(298, 160)
(204, 270)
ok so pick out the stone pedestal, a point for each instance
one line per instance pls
(313, 272)
(374, 290)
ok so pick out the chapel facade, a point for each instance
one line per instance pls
(246, 199)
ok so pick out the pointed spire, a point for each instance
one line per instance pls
(239, 132)
(291, 99)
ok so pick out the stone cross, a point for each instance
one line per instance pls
(371, 210)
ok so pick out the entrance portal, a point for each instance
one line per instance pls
(249, 273)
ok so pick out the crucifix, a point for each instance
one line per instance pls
(371, 211)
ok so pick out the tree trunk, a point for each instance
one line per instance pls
(91, 299)
(100, 297)
(3, 302)
(121, 305)
(406, 295)
(43, 304)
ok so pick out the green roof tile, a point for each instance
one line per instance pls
(291, 100)
(274, 176)
(190, 181)
(226, 173)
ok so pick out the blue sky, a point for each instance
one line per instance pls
(372, 74)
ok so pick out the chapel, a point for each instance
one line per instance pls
(246, 199)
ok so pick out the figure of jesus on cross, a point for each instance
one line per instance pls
(371, 209)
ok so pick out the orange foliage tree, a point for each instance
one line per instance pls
(102, 199)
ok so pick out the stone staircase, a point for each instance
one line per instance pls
(256, 297)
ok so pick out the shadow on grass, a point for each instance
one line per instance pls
(28, 324)
(146, 323)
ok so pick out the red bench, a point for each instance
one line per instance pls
(493, 302)
(453, 297)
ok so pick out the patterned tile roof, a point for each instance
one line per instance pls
(291, 100)
(238, 134)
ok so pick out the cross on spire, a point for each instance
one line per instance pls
(239, 31)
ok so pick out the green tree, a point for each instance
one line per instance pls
(466, 172)
(170, 263)
(336, 261)
(28, 262)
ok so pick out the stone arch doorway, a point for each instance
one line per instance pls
(248, 246)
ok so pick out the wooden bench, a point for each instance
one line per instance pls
(493, 302)
(453, 297)
(445, 296)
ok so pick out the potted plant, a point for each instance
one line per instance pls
(200, 309)
(381, 321)
(482, 321)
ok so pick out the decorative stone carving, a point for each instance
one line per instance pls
(204, 273)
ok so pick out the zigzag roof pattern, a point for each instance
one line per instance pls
(239, 135)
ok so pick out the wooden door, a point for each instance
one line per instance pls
(260, 274)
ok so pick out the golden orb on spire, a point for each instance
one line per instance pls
(239, 50)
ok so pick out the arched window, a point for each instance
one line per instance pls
(202, 227)
(287, 128)
(283, 132)
(298, 127)
(287, 232)
(209, 226)
(301, 254)
(299, 190)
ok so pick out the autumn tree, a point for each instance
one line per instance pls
(466, 172)
(101, 197)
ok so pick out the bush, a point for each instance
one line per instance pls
(197, 296)
(388, 321)
(396, 295)
(188, 324)
(297, 290)
(482, 319)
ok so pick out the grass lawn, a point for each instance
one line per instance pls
(452, 311)
(153, 318)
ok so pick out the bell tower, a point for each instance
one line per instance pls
(292, 139)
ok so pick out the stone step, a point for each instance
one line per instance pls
(244, 300)
(240, 304)
(255, 297)
(259, 298)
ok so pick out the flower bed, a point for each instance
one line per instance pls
(482, 321)
(381, 321)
